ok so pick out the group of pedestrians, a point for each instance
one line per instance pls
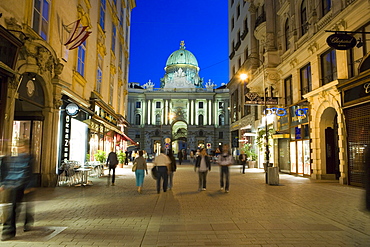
(203, 166)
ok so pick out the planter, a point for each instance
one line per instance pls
(120, 165)
(252, 164)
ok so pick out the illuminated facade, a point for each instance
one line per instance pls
(183, 114)
(282, 46)
(65, 91)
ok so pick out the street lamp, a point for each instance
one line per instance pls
(267, 148)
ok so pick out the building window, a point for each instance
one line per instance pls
(200, 105)
(119, 99)
(232, 23)
(238, 11)
(41, 12)
(246, 29)
(328, 67)
(138, 104)
(111, 89)
(306, 79)
(114, 35)
(120, 57)
(122, 16)
(157, 105)
(81, 58)
(287, 35)
(200, 119)
(158, 119)
(220, 135)
(138, 119)
(221, 119)
(99, 74)
(232, 2)
(288, 91)
(221, 105)
(304, 24)
(325, 6)
(103, 6)
(247, 110)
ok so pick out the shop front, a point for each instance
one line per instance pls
(299, 146)
(356, 108)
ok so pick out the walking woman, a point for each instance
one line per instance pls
(141, 167)
(203, 164)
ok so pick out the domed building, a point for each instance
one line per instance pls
(183, 114)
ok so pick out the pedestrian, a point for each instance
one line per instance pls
(16, 185)
(112, 162)
(180, 156)
(162, 163)
(126, 158)
(243, 161)
(203, 165)
(225, 160)
(192, 156)
(173, 168)
(141, 169)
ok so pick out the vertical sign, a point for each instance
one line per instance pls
(67, 136)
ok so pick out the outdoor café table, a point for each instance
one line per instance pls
(84, 174)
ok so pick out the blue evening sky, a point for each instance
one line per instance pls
(158, 27)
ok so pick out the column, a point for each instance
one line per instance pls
(149, 111)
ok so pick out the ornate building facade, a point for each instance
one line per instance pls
(63, 75)
(181, 114)
(319, 126)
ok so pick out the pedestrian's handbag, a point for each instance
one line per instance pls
(134, 166)
(154, 172)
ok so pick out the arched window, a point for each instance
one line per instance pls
(158, 119)
(287, 35)
(325, 6)
(138, 119)
(304, 24)
(200, 119)
(221, 119)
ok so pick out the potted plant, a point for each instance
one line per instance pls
(100, 156)
(251, 155)
(121, 158)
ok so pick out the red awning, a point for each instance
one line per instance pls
(126, 138)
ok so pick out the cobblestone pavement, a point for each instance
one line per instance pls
(298, 212)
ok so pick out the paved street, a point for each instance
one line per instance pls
(298, 212)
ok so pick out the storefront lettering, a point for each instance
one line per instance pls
(281, 112)
(367, 87)
(67, 129)
(301, 112)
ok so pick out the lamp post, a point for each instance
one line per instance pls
(267, 148)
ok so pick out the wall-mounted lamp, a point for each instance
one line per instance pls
(359, 43)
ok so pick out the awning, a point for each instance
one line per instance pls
(126, 138)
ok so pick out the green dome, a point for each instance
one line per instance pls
(182, 56)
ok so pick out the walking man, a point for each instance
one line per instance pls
(225, 160)
(203, 164)
(112, 162)
(162, 162)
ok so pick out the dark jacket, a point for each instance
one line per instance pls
(112, 159)
(16, 171)
(173, 166)
(208, 162)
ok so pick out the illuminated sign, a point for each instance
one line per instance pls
(281, 112)
(341, 41)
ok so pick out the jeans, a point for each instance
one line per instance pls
(162, 175)
(140, 174)
(113, 173)
(224, 172)
(203, 179)
(170, 180)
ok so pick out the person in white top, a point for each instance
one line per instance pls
(162, 163)
(225, 159)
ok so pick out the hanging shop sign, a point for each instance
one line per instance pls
(72, 109)
(66, 137)
(255, 99)
(341, 41)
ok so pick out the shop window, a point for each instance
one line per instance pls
(103, 6)
(41, 12)
(328, 67)
(81, 55)
(306, 79)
